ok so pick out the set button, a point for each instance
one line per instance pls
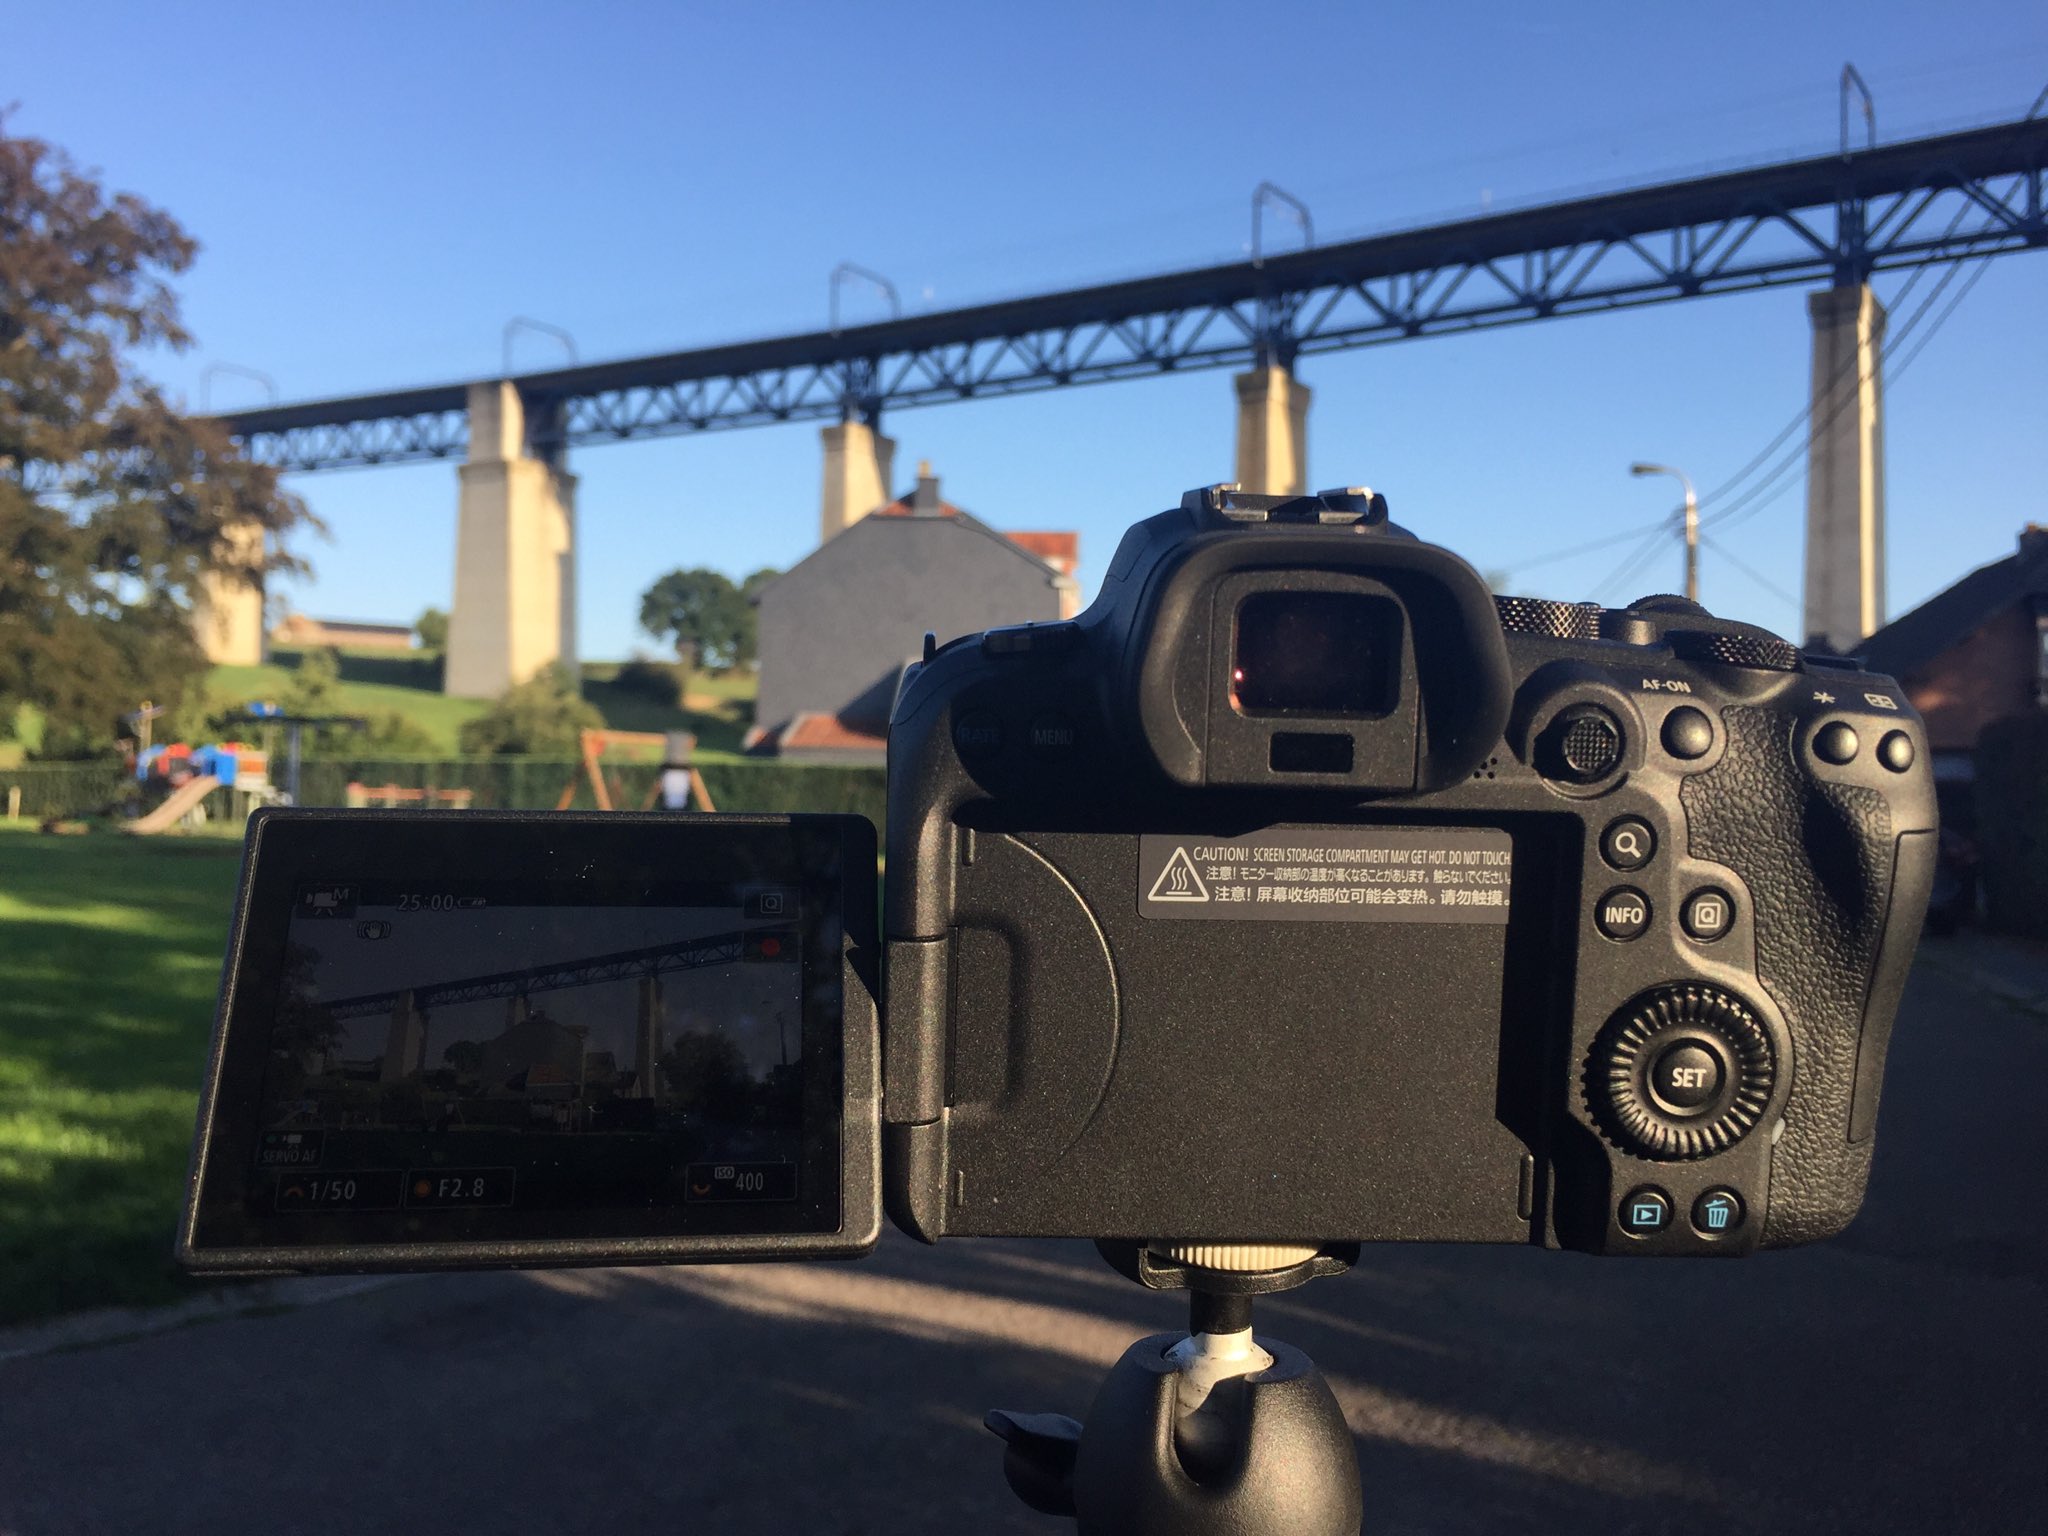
(1623, 913)
(1686, 1077)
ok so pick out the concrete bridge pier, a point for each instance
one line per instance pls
(1272, 432)
(1844, 597)
(858, 466)
(227, 611)
(515, 554)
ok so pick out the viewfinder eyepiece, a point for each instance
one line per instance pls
(1316, 653)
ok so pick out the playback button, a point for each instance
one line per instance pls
(1646, 1212)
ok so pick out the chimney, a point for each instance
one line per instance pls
(2034, 539)
(924, 501)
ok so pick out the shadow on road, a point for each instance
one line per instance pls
(1888, 1382)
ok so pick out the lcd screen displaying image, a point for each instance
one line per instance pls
(471, 1046)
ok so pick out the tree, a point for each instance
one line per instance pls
(315, 691)
(706, 1073)
(432, 628)
(114, 505)
(750, 589)
(543, 715)
(702, 612)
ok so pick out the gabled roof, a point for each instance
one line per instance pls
(1916, 637)
(899, 512)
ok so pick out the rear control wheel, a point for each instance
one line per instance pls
(1684, 1071)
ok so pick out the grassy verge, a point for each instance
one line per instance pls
(110, 951)
(435, 713)
(718, 708)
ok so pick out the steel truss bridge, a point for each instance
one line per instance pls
(626, 965)
(1834, 218)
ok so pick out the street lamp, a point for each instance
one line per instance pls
(1692, 524)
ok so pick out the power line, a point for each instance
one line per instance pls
(1891, 343)
(1633, 563)
(1590, 545)
(1750, 571)
(1733, 517)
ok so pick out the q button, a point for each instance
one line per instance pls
(1627, 843)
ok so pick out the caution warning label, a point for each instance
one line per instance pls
(1330, 874)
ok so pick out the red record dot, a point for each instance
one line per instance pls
(771, 947)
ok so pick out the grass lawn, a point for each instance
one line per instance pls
(110, 951)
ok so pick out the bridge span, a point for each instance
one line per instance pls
(1829, 221)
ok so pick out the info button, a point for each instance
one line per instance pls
(1622, 914)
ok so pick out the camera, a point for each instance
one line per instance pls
(1298, 893)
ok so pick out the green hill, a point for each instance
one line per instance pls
(718, 708)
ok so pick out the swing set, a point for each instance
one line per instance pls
(674, 750)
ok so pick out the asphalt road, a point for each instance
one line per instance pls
(1891, 1381)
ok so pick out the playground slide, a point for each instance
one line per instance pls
(181, 801)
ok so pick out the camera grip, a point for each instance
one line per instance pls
(1817, 858)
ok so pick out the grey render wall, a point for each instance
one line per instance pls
(839, 621)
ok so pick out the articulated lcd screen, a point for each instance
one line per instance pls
(456, 1045)
(474, 1030)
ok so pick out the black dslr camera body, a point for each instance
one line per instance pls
(1298, 893)
(1302, 890)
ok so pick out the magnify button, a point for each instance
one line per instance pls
(1628, 843)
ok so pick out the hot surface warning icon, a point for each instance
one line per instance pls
(1179, 881)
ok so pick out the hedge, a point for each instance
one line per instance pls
(63, 789)
(500, 783)
(2012, 795)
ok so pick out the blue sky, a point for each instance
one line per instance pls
(379, 187)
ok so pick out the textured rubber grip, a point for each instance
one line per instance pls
(1817, 859)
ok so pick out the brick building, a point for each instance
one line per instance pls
(297, 630)
(838, 628)
(1973, 654)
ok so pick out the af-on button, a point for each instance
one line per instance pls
(1687, 734)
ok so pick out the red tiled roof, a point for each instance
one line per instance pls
(1061, 551)
(815, 730)
(900, 507)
